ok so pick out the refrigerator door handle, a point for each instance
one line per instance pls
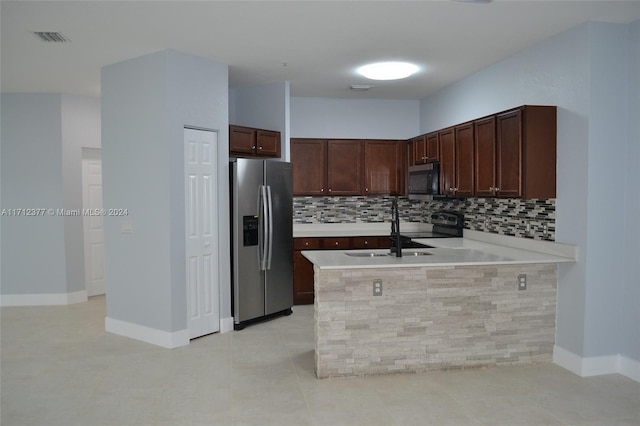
(264, 232)
(270, 228)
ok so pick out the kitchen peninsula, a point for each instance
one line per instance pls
(459, 304)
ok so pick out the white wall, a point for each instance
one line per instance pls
(583, 71)
(264, 107)
(146, 102)
(354, 118)
(42, 140)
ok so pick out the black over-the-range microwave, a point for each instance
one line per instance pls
(424, 181)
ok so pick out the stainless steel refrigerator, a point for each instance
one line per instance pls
(262, 239)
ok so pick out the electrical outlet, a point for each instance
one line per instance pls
(545, 229)
(522, 282)
(126, 227)
(377, 287)
(528, 227)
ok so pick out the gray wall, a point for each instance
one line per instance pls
(146, 102)
(631, 290)
(265, 107)
(589, 91)
(33, 255)
(42, 140)
(80, 128)
(608, 81)
(354, 118)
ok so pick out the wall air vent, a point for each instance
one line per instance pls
(51, 37)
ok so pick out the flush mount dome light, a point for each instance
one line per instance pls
(387, 70)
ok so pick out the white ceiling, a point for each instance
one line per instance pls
(321, 42)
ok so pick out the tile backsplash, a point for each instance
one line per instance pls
(533, 219)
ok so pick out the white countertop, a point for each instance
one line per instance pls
(476, 248)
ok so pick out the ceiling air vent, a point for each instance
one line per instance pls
(51, 36)
(360, 87)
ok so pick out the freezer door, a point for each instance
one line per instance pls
(248, 239)
(279, 275)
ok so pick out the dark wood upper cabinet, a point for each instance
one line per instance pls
(456, 160)
(411, 158)
(241, 140)
(426, 148)
(464, 160)
(433, 146)
(526, 152)
(485, 156)
(268, 143)
(250, 142)
(384, 167)
(344, 167)
(420, 150)
(447, 161)
(322, 167)
(509, 154)
(309, 160)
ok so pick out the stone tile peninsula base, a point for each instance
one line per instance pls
(430, 318)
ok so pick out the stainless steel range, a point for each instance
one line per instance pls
(446, 224)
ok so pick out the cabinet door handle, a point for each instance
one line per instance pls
(336, 243)
(253, 147)
(491, 188)
(329, 189)
(260, 148)
(321, 189)
(306, 243)
(496, 189)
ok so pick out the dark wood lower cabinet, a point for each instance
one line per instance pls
(302, 280)
(303, 269)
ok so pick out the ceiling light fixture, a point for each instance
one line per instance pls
(388, 70)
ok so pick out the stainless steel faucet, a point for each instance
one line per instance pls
(395, 228)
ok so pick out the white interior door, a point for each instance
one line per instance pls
(201, 216)
(93, 226)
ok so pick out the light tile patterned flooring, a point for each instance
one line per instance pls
(59, 367)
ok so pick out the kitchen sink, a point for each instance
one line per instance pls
(367, 254)
(404, 253)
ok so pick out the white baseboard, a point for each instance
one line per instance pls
(226, 324)
(146, 334)
(596, 366)
(630, 368)
(43, 299)
(568, 360)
